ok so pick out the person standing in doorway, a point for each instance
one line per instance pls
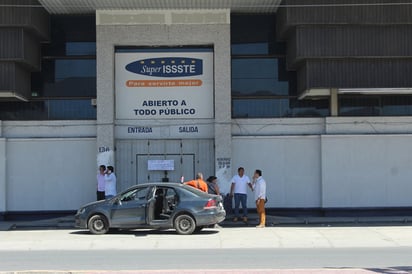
(259, 186)
(101, 183)
(240, 182)
(110, 183)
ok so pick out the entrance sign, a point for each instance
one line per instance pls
(161, 165)
(167, 84)
(179, 130)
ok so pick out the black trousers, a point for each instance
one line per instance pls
(100, 195)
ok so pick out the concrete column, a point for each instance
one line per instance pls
(3, 184)
(334, 104)
(223, 113)
(105, 102)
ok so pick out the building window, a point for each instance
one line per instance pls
(66, 85)
(65, 78)
(257, 77)
(262, 87)
(373, 105)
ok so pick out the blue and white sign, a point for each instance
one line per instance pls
(164, 85)
(167, 67)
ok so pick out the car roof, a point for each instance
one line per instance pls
(163, 184)
(160, 184)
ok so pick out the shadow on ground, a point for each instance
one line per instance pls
(145, 232)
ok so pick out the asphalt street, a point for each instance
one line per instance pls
(245, 248)
(115, 260)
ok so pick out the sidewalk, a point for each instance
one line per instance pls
(67, 222)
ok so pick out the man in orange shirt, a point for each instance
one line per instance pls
(198, 183)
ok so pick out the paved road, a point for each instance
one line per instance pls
(225, 248)
(346, 258)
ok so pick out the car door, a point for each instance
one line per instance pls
(161, 205)
(130, 209)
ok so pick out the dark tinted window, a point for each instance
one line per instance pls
(66, 84)
(278, 107)
(65, 78)
(255, 35)
(71, 35)
(262, 86)
(257, 77)
(69, 109)
(371, 105)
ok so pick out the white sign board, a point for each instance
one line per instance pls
(160, 165)
(164, 85)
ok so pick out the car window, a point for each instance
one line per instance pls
(190, 192)
(142, 193)
(135, 195)
(170, 193)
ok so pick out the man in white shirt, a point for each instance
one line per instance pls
(259, 186)
(240, 182)
(110, 180)
(101, 183)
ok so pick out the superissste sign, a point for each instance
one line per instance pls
(164, 85)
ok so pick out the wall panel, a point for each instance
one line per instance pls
(50, 174)
(290, 166)
(366, 171)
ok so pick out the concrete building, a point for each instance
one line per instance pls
(316, 93)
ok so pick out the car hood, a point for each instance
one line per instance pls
(96, 203)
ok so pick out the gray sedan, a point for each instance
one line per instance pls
(156, 205)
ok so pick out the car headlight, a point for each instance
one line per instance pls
(81, 210)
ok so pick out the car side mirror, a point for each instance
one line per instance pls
(118, 202)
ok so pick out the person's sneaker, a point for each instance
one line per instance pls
(260, 226)
(235, 219)
(245, 219)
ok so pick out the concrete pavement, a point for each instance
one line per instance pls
(284, 234)
(304, 236)
(312, 249)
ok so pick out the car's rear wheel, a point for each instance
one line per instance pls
(98, 224)
(185, 224)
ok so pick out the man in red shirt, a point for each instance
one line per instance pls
(198, 183)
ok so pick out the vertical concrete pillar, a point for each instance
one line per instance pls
(334, 104)
(223, 113)
(3, 183)
(105, 102)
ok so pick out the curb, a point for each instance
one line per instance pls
(69, 223)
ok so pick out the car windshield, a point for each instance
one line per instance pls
(137, 194)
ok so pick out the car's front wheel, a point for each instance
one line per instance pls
(98, 224)
(185, 224)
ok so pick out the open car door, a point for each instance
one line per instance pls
(161, 206)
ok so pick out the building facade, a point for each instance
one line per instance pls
(315, 93)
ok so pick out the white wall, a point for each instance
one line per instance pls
(290, 166)
(330, 171)
(317, 171)
(367, 170)
(50, 174)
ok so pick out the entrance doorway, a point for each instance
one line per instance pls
(183, 165)
(188, 156)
